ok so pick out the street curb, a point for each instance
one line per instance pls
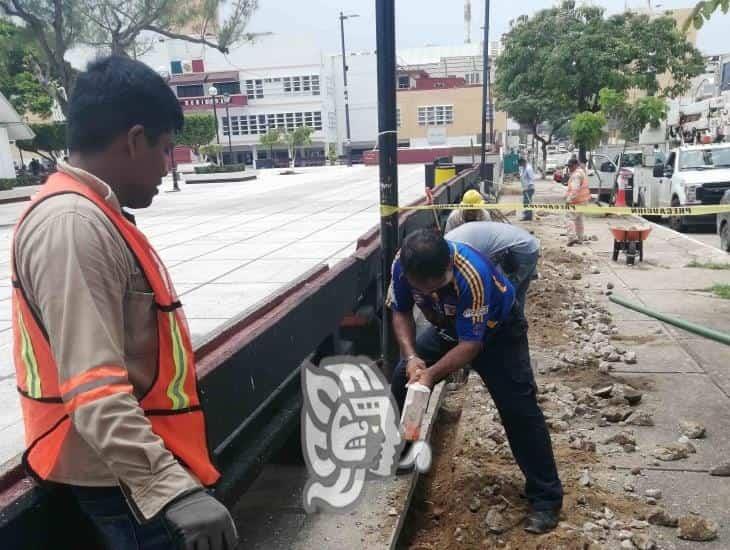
(10, 200)
(715, 251)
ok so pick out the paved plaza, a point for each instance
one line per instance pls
(228, 246)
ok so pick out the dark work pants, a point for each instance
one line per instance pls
(525, 267)
(504, 365)
(108, 511)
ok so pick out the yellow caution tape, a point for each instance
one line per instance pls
(700, 210)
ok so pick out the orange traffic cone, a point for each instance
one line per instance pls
(620, 199)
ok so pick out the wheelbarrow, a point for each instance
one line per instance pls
(630, 239)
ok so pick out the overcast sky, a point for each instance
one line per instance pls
(422, 22)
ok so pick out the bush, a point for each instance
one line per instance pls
(24, 180)
(7, 183)
(216, 169)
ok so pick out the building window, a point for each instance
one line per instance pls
(436, 115)
(194, 90)
(234, 126)
(315, 84)
(230, 88)
(472, 78)
(225, 125)
(307, 84)
(261, 124)
(176, 67)
(332, 120)
(318, 120)
(255, 89)
(397, 117)
(404, 82)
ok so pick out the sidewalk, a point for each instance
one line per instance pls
(597, 410)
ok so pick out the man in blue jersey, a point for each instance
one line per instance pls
(474, 320)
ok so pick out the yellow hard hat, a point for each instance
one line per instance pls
(472, 198)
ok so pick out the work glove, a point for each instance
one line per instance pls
(197, 521)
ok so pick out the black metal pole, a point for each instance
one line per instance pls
(230, 128)
(347, 95)
(217, 135)
(485, 98)
(388, 157)
(175, 186)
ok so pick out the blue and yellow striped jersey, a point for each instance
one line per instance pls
(472, 305)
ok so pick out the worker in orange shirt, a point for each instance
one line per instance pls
(104, 362)
(578, 193)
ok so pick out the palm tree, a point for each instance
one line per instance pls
(269, 139)
(300, 137)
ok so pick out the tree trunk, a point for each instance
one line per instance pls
(582, 156)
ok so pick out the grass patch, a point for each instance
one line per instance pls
(721, 291)
(707, 265)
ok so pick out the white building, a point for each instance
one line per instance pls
(12, 128)
(278, 82)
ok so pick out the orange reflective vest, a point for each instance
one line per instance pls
(580, 193)
(172, 403)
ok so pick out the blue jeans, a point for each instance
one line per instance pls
(108, 511)
(527, 195)
(522, 269)
(504, 366)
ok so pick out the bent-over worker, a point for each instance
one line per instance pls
(509, 246)
(470, 306)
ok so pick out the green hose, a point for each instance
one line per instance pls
(716, 335)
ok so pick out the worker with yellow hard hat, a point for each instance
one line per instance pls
(472, 198)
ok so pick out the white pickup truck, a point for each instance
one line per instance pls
(687, 175)
(690, 175)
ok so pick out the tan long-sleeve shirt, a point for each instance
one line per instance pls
(94, 302)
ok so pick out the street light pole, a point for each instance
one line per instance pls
(227, 101)
(213, 91)
(485, 98)
(348, 144)
(164, 73)
(388, 159)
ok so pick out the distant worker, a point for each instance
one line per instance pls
(510, 247)
(472, 198)
(578, 193)
(103, 357)
(527, 179)
(470, 306)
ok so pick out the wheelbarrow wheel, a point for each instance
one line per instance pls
(631, 253)
(616, 250)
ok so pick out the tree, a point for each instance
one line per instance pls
(703, 11)
(48, 141)
(586, 130)
(17, 81)
(198, 130)
(119, 26)
(269, 139)
(555, 63)
(300, 137)
(632, 118)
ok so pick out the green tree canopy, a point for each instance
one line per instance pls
(270, 139)
(17, 81)
(632, 118)
(586, 129)
(555, 63)
(704, 10)
(49, 140)
(121, 26)
(299, 137)
(198, 130)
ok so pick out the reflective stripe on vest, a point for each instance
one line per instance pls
(172, 403)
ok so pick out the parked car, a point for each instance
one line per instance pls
(723, 224)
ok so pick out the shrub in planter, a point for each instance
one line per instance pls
(7, 183)
(216, 169)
